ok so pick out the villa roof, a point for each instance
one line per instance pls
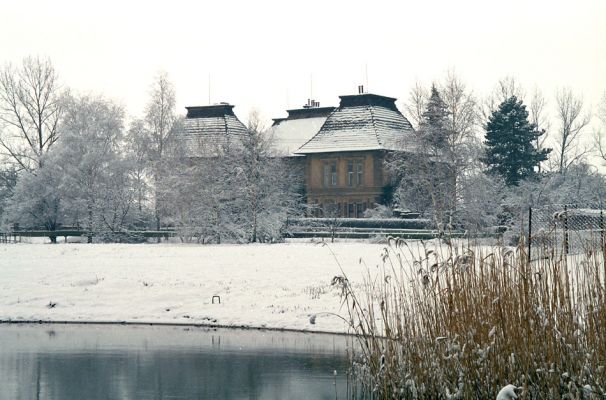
(208, 126)
(362, 122)
(301, 125)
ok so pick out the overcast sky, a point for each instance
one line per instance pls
(262, 53)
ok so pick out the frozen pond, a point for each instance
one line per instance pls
(53, 361)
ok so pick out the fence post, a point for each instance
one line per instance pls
(529, 232)
(602, 227)
(566, 248)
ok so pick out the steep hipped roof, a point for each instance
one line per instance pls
(301, 125)
(205, 127)
(362, 122)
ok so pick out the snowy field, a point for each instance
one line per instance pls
(273, 286)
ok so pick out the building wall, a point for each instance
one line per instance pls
(336, 188)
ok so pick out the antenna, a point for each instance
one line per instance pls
(366, 76)
(311, 86)
(209, 88)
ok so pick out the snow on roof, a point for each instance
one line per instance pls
(362, 122)
(301, 125)
(289, 135)
(208, 126)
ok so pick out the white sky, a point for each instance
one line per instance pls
(261, 53)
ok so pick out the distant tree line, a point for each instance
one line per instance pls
(72, 160)
(471, 157)
(69, 159)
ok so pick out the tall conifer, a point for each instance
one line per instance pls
(509, 141)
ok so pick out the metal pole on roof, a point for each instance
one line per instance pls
(209, 88)
(366, 76)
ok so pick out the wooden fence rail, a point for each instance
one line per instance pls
(15, 236)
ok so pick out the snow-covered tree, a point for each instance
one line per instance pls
(419, 173)
(36, 200)
(462, 125)
(89, 163)
(510, 143)
(268, 188)
(137, 144)
(203, 194)
(8, 181)
(236, 190)
(159, 123)
(430, 175)
(433, 129)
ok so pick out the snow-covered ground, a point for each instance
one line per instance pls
(273, 286)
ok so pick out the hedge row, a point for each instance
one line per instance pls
(376, 223)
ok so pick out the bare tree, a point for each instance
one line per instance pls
(416, 104)
(538, 117)
(573, 120)
(508, 86)
(505, 88)
(30, 107)
(462, 142)
(160, 119)
(160, 113)
(600, 134)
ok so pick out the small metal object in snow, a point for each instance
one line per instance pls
(216, 297)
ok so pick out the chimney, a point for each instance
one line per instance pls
(360, 89)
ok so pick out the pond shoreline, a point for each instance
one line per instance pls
(172, 324)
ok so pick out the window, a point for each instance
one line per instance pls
(359, 174)
(355, 173)
(330, 174)
(333, 174)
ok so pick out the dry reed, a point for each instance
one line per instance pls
(460, 321)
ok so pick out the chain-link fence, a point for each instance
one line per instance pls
(569, 228)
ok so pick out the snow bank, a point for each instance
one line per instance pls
(274, 286)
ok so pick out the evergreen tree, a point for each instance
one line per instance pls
(425, 175)
(433, 127)
(509, 141)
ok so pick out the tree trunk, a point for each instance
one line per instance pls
(156, 207)
(90, 224)
(159, 239)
